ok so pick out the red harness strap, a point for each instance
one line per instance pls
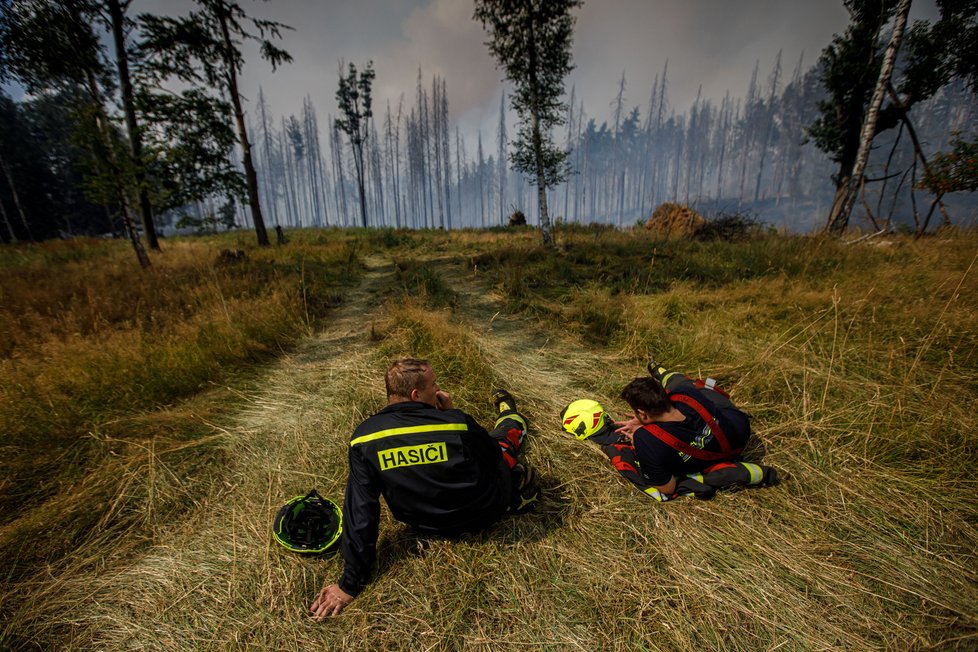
(681, 446)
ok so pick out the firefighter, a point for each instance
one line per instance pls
(438, 470)
(684, 429)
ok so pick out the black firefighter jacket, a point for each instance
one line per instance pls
(438, 470)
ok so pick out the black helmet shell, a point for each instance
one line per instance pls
(308, 524)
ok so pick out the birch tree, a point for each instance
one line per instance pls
(531, 41)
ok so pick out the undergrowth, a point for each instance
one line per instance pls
(96, 356)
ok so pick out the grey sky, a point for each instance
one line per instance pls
(710, 42)
(713, 43)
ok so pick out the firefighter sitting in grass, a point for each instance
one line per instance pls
(685, 437)
(438, 470)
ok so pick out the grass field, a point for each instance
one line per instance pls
(153, 422)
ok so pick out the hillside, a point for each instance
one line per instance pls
(137, 512)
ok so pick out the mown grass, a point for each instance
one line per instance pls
(857, 362)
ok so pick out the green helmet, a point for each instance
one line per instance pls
(583, 418)
(309, 523)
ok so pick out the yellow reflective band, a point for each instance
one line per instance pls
(514, 417)
(393, 458)
(696, 476)
(410, 430)
(652, 491)
(755, 472)
(665, 379)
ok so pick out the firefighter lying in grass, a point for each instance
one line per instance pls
(685, 437)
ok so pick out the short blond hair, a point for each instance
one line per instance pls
(405, 375)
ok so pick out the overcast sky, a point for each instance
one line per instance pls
(713, 43)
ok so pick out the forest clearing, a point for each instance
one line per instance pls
(155, 420)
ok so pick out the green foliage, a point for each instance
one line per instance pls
(46, 44)
(850, 68)
(53, 50)
(939, 52)
(547, 167)
(46, 163)
(108, 163)
(953, 171)
(354, 99)
(188, 141)
(531, 42)
(192, 131)
(935, 54)
(203, 49)
(192, 48)
(186, 135)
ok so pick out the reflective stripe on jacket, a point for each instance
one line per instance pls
(438, 470)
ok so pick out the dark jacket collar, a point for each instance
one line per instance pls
(405, 405)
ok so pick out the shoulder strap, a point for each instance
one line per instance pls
(681, 446)
(726, 452)
(711, 422)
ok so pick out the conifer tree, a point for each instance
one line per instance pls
(354, 97)
(204, 48)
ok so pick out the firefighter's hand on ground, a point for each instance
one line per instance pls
(330, 601)
(628, 428)
(443, 400)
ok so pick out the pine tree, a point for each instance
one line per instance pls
(355, 100)
(204, 47)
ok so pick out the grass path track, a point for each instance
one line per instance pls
(195, 588)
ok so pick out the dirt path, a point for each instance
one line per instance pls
(595, 567)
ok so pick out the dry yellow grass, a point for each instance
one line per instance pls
(858, 365)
